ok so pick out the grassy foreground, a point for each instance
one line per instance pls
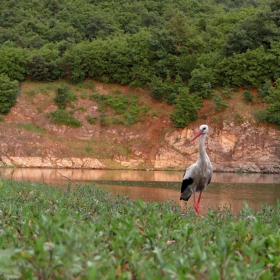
(53, 233)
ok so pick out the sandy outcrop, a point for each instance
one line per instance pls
(51, 162)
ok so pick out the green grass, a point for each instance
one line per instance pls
(31, 127)
(86, 233)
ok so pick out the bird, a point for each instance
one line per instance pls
(198, 176)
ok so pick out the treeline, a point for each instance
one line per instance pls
(166, 45)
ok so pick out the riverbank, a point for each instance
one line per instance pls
(86, 233)
(95, 164)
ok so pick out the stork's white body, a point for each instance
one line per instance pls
(198, 175)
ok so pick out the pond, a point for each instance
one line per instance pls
(225, 189)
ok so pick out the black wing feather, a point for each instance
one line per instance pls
(186, 183)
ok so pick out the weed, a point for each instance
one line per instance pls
(30, 93)
(91, 120)
(82, 109)
(238, 119)
(31, 127)
(83, 95)
(89, 149)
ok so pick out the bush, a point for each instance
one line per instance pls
(263, 92)
(238, 119)
(201, 82)
(248, 96)
(261, 115)
(273, 113)
(91, 120)
(63, 96)
(63, 117)
(186, 109)
(8, 93)
(219, 103)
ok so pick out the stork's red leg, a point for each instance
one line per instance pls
(196, 205)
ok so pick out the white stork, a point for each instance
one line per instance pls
(198, 175)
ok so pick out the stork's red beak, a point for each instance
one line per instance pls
(197, 135)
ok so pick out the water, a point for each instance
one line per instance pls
(225, 189)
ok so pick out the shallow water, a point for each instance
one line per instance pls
(225, 189)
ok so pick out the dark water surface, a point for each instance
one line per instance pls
(230, 189)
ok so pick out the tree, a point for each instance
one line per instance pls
(13, 62)
(41, 70)
(201, 81)
(8, 93)
(186, 108)
(273, 110)
(252, 33)
(263, 92)
(251, 68)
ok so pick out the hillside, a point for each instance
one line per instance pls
(145, 140)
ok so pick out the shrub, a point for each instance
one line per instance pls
(273, 113)
(263, 92)
(226, 92)
(63, 117)
(219, 103)
(186, 109)
(104, 121)
(261, 115)
(91, 120)
(247, 96)
(238, 119)
(8, 93)
(63, 96)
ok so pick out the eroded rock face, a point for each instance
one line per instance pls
(51, 162)
(243, 148)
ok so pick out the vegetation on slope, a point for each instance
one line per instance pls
(85, 233)
(163, 45)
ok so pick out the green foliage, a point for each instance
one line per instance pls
(61, 117)
(125, 105)
(219, 103)
(251, 68)
(186, 109)
(201, 81)
(8, 93)
(31, 127)
(59, 233)
(247, 96)
(261, 115)
(263, 92)
(166, 90)
(146, 43)
(13, 62)
(91, 120)
(252, 33)
(63, 96)
(227, 92)
(272, 114)
(238, 119)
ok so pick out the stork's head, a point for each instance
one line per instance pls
(203, 129)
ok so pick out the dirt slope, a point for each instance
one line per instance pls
(27, 131)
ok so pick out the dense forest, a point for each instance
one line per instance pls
(181, 50)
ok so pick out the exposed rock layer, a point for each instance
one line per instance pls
(233, 148)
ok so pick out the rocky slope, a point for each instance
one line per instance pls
(28, 139)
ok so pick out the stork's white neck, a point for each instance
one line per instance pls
(202, 150)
